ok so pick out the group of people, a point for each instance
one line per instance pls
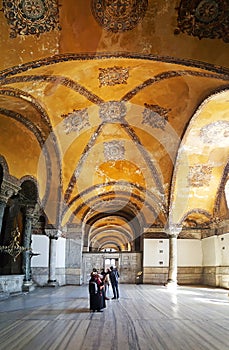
(99, 285)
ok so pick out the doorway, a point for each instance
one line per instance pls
(127, 263)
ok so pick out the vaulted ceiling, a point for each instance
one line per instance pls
(118, 111)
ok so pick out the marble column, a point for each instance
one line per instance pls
(53, 236)
(172, 274)
(52, 260)
(27, 235)
(2, 209)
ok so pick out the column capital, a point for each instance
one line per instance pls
(8, 189)
(173, 230)
(216, 223)
(53, 233)
(29, 211)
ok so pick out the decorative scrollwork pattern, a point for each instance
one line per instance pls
(27, 17)
(204, 19)
(118, 15)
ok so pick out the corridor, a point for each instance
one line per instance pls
(146, 317)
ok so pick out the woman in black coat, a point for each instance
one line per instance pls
(95, 293)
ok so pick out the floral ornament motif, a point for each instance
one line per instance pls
(216, 133)
(112, 111)
(118, 15)
(155, 116)
(113, 76)
(114, 150)
(199, 175)
(27, 17)
(204, 19)
(76, 121)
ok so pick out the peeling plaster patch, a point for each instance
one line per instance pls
(199, 175)
(146, 48)
(27, 98)
(216, 133)
(165, 7)
(218, 158)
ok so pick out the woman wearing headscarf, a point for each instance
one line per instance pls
(96, 302)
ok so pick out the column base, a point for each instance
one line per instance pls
(171, 285)
(52, 283)
(28, 286)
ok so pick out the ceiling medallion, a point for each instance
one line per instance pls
(114, 150)
(27, 17)
(112, 111)
(118, 15)
(113, 76)
(204, 19)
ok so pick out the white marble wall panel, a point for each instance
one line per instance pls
(11, 283)
(156, 252)
(40, 275)
(40, 245)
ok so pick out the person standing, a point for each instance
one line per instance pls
(105, 279)
(114, 276)
(95, 293)
(100, 282)
(107, 283)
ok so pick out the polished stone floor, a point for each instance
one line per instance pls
(145, 317)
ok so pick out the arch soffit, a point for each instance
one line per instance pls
(201, 160)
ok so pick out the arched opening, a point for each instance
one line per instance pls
(14, 219)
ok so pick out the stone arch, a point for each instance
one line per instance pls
(4, 166)
(198, 163)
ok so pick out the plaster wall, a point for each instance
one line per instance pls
(155, 252)
(40, 263)
(223, 246)
(60, 252)
(211, 253)
(189, 252)
(216, 261)
(40, 245)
